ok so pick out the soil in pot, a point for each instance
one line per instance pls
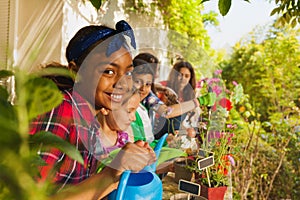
(181, 171)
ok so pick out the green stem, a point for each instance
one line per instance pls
(22, 114)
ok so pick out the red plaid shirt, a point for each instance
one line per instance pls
(73, 121)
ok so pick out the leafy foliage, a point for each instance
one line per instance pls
(185, 24)
(48, 140)
(269, 72)
(185, 18)
(19, 160)
(47, 93)
(219, 128)
(289, 11)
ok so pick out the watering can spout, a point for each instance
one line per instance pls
(157, 149)
(160, 144)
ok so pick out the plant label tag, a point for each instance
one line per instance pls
(206, 162)
(206, 159)
(189, 187)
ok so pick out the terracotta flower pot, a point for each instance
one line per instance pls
(181, 171)
(213, 193)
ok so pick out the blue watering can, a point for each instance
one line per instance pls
(143, 185)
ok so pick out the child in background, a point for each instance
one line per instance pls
(186, 141)
(189, 141)
(182, 80)
(166, 110)
(115, 129)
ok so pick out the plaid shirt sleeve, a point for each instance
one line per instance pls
(60, 122)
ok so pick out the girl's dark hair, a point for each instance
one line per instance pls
(149, 58)
(189, 90)
(87, 38)
(63, 82)
(79, 39)
(74, 62)
(83, 42)
(143, 67)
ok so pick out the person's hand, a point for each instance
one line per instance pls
(134, 157)
(208, 99)
(166, 94)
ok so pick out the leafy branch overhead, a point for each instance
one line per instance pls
(288, 10)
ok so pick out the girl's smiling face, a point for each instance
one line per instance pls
(104, 81)
(143, 82)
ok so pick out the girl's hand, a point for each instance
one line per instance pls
(134, 157)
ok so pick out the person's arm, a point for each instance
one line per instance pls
(96, 187)
(133, 156)
(171, 107)
(181, 108)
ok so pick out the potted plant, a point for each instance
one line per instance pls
(214, 159)
(181, 170)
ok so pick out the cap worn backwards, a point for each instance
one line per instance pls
(83, 44)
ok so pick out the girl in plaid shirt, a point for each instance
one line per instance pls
(101, 59)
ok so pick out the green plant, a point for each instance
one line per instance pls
(19, 163)
(217, 130)
(269, 73)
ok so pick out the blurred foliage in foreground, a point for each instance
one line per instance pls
(18, 150)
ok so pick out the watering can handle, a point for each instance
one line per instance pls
(122, 184)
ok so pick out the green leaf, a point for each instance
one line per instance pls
(9, 136)
(238, 93)
(224, 6)
(37, 161)
(274, 11)
(3, 94)
(44, 95)
(5, 73)
(294, 22)
(7, 113)
(9, 180)
(204, 1)
(96, 3)
(32, 164)
(8, 126)
(47, 139)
